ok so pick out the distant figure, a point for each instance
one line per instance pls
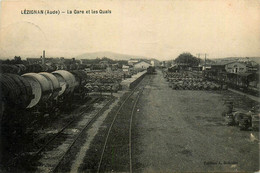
(228, 108)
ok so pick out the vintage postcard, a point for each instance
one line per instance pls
(129, 86)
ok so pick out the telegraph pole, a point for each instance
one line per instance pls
(205, 59)
(205, 54)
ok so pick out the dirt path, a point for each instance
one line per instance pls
(184, 131)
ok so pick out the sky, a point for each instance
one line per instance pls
(155, 28)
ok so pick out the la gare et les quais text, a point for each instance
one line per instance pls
(89, 11)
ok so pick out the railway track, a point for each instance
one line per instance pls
(34, 152)
(59, 133)
(109, 132)
(50, 160)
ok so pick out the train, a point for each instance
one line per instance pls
(151, 70)
(41, 90)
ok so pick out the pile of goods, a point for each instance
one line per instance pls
(104, 81)
(190, 81)
(245, 120)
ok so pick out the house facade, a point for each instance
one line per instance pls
(240, 67)
(142, 65)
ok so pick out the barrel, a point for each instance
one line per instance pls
(21, 68)
(229, 119)
(41, 88)
(16, 90)
(43, 67)
(55, 86)
(6, 68)
(67, 81)
(35, 68)
(51, 68)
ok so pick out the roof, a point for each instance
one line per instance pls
(125, 66)
(247, 63)
(148, 62)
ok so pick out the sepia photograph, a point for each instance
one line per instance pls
(147, 86)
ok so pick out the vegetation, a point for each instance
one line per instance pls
(187, 59)
(16, 60)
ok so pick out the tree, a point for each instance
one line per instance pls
(187, 59)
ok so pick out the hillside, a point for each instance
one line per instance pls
(111, 55)
(256, 59)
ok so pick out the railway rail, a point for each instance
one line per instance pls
(71, 139)
(59, 133)
(130, 126)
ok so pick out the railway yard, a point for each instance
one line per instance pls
(159, 122)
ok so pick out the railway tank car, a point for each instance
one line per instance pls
(66, 80)
(40, 86)
(54, 83)
(16, 91)
(35, 89)
(81, 80)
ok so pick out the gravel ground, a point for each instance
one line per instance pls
(173, 130)
(116, 157)
(184, 131)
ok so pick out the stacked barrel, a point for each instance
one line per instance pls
(189, 81)
(104, 81)
(21, 68)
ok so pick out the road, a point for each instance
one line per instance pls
(184, 131)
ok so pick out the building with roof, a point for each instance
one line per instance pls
(133, 61)
(143, 64)
(241, 67)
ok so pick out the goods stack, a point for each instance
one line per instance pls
(104, 81)
(189, 81)
(245, 120)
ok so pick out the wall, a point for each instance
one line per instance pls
(236, 68)
(142, 65)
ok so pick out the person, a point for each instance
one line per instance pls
(228, 108)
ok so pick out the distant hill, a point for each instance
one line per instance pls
(256, 59)
(111, 55)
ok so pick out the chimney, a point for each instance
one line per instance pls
(43, 57)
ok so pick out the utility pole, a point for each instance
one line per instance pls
(43, 57)
(198, 55)
(205, 59)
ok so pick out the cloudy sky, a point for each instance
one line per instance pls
(158, 29)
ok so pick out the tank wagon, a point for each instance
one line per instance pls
(41, 90)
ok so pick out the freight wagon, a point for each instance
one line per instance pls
(150, 70)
